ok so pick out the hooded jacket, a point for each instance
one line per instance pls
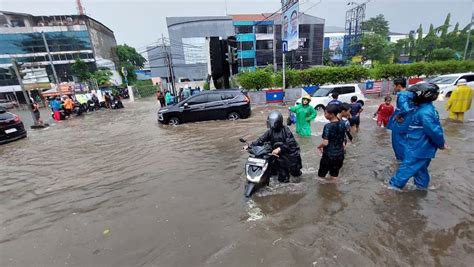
(404, 109)
(460, 100)
(290, 150)
(304, 115)
(425, 134)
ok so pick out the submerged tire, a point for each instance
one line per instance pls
(233, 116)
(174, 121)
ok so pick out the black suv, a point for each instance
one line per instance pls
(11, 127)
(208, 105)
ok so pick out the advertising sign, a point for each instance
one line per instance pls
(290, 29)
(336, 46)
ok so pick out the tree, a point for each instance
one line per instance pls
(443, 54)
(376, 48)
(430, 42)
(81, 70)
(102, 76)
(445, 27)
(129, 59)
(377, 25)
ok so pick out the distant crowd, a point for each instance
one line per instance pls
(167, 97)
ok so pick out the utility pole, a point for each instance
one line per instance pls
(56, 80)
(283, 70)
(468, 36)
(169, 62)
(25, 95)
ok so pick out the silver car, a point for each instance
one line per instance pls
(7, 104)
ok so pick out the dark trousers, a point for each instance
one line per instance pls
(162, 102)
(331, 165)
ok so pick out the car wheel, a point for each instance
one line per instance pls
(233, 116)
(360, 102)
(320, 108)
(448, 94)
(174, 121)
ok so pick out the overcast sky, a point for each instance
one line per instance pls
(141, 22)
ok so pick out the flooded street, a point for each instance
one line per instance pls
(116, 189)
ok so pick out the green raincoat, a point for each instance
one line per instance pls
(304, 115)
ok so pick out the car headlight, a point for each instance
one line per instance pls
(162, 110)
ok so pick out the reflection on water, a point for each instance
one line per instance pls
(173, 196)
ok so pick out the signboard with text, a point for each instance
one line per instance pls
(290, 31)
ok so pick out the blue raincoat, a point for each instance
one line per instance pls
(424, 137)
(405, 108)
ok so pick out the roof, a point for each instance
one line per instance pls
(276, 17)
(69, 15)
(172, 21)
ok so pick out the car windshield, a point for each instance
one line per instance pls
(323, 91)
(443, 79)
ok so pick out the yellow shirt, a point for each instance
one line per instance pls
(460, 100)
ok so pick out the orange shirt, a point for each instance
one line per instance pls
(68, 104)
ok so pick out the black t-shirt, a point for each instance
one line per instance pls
(355, 109)
(335, 133)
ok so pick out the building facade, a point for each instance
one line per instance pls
(68, 37)
(258, 43)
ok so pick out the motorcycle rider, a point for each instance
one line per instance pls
(285, 147)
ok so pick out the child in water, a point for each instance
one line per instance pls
(344, 116)
(384, 112)
(332, 147)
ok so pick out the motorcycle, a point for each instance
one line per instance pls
(258, 168)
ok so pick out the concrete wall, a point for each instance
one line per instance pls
(103, 41)
(259, 97)
(194, 27)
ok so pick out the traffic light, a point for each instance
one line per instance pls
(235, 54)
(229, 56)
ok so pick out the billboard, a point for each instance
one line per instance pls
(290, 31)
(336, 46)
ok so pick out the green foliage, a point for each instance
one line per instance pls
(146, 88)
(128, 54)
(129, 59)
(351, 74)
(438, 44)
(257, 80)
(376, 48)
(81, 70)
(206, 86)
(443, 54)
(377, 25)
(102, 76)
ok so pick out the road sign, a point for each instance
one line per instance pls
(284, 46)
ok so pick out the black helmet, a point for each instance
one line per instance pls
(424, 92)
(275, 120)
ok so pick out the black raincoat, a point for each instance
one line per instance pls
(289, 158)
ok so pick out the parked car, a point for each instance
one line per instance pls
(322, 96)
(448, 82)
(7, 104)
(207, 105)
(11, 127)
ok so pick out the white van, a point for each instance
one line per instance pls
(322, 96)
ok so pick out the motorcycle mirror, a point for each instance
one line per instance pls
(242, 140)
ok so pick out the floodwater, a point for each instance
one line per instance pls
(116, 189)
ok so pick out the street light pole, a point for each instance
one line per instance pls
(25, 95)
(468, 36)
(56, 80)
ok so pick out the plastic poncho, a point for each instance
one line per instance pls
(404, 108)
(304, 115)
(425, 134)
(460, 100)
